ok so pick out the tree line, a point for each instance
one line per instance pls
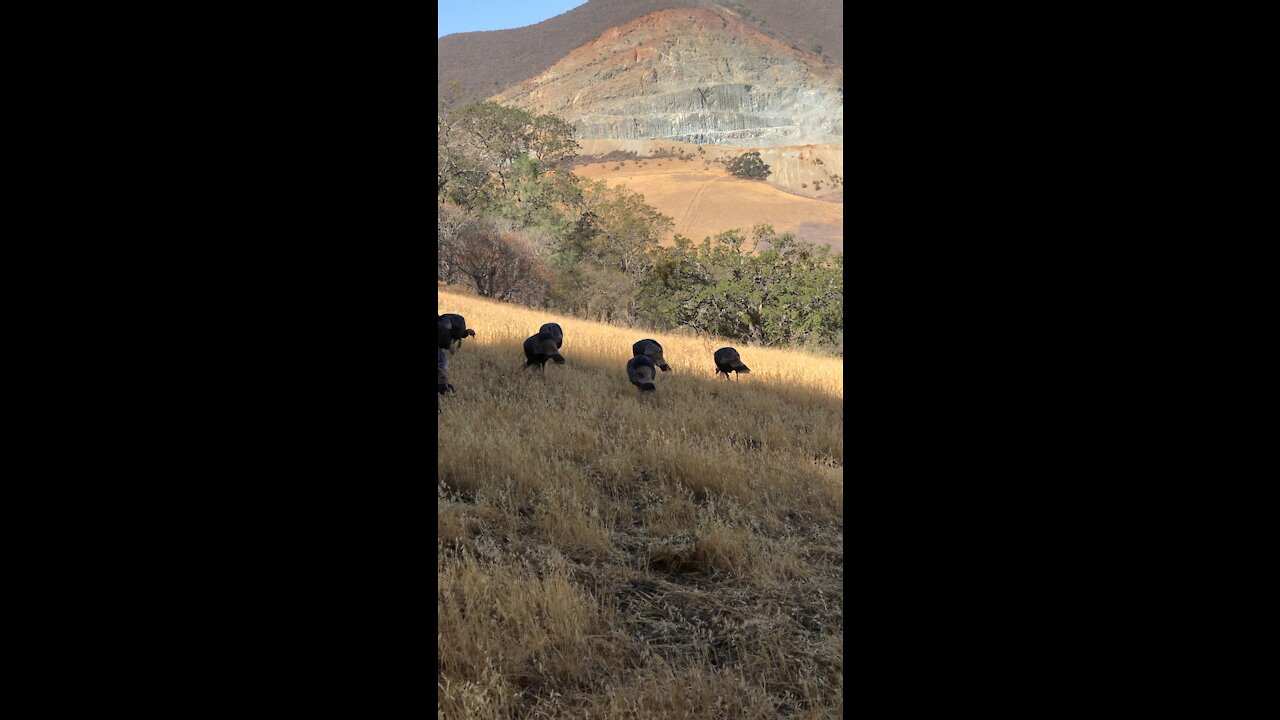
(516, 224)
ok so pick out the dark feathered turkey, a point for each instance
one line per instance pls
(728, 361)
(652, 350)
(554, 330)
(452, 329)
(443, 334)
(641, 373)
(539, 349)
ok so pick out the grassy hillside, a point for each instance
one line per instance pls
(609, 555)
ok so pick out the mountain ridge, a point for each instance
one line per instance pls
(485, 62)
(697, 75)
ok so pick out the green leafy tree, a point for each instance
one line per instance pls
(776, 291)
(749, 166)
(503, 159)
(538, 197)
(602, 259)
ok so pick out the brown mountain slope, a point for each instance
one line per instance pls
(485, 62)
(692, 75)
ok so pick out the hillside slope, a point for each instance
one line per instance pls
(604, 554)
(693, 75)
(704, 199)
(485, 62)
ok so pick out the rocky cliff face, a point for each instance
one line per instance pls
(691, 75)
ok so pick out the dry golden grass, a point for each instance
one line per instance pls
(704, 200)
(604, 554)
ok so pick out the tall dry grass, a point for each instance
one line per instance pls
(607, 554)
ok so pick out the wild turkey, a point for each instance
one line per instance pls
(443, 333)
(652, 350)
(554, 330)
(539, 349)
(641, 373)
(452, 329)
(442, 373)
(728, 361)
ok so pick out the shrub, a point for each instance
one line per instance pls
(749, 166)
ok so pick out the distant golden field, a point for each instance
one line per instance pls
(605, 554)
(704, 200)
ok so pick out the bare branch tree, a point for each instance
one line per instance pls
(497, 261)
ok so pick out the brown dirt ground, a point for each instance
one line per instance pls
(706, 201)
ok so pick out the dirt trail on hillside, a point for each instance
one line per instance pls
(682, 227)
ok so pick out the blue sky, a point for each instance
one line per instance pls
(455, 16)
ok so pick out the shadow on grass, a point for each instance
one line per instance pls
(504, 361)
